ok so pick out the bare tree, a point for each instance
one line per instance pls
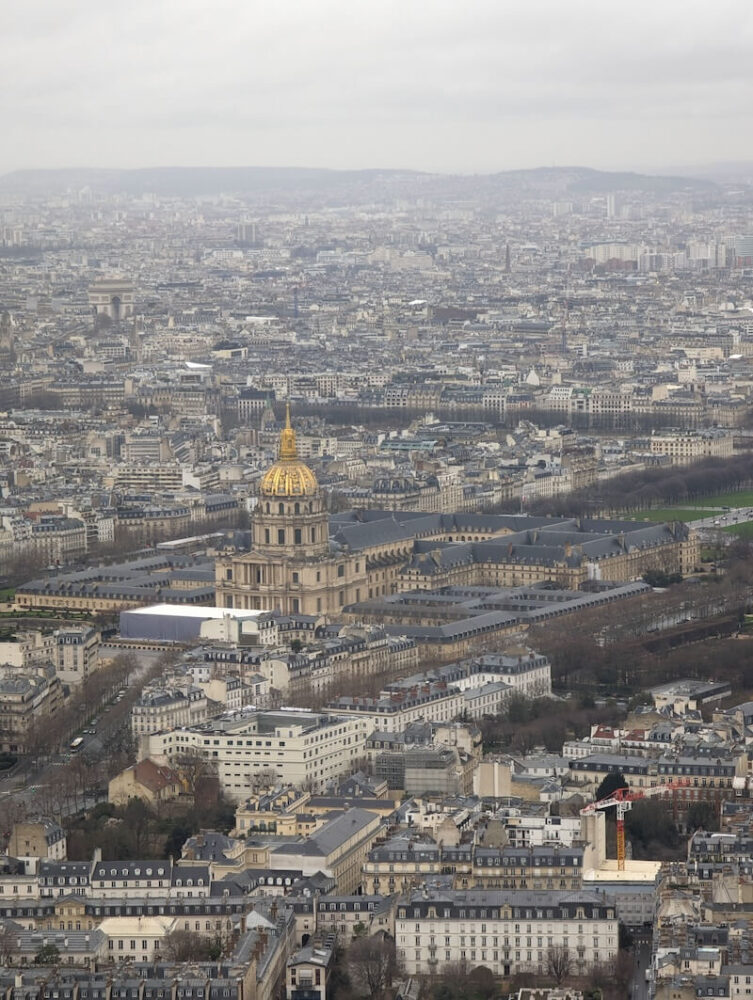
(12, 810)
(372, 964)
(8, 937)
(559, 962)
(265, 778)
(188, 946)
(193, 765)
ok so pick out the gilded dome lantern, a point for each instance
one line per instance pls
(289, 476)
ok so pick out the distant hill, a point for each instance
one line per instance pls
(725, 172)
(208, 181)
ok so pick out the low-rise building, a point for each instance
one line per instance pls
(151, 782)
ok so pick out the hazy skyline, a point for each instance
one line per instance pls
(442, 86)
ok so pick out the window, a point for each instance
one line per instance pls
(341, 570)
(266, 535)
(297, 538)
(295, 578)
(280, 536)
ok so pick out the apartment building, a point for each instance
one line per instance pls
(308, 972)
(26, 696)
(59, 539)
(160, 709)
(396, 709)
(684, 447)
(76, 653)
(700, 777)
(470, 689)
(28, 649)
(145, 879)
(338, 849)
(402, 864)
(351, 916)
(508, 932)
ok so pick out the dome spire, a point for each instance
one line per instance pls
(289, 476)
(288, 446)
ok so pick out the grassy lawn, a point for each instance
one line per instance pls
(707, 507)
(675, 514)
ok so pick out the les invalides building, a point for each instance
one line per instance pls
(291, 566)
(303, 562)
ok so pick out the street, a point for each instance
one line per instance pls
(639, 988)
(31, 779)
(725, 519)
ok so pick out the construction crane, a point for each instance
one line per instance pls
(623, 799)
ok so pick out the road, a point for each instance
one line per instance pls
(639, 988)
(725, 519)
(30, 778)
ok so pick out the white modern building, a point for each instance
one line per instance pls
(300, 748)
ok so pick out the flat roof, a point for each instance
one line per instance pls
(644, 872)
(194, 611)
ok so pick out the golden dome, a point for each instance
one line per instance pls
(289, 476)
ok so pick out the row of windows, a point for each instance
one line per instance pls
(126, 872)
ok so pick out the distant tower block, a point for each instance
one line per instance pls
(112, 297)
(246, 231)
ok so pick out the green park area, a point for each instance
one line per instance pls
(676, 514)
(712, 506)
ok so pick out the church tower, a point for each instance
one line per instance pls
(290, 519)
(291, 567)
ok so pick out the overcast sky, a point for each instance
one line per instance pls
(449, 85)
